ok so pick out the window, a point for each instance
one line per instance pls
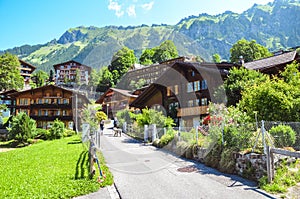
(39, 112)
(46, 101)
(23, 101)
(190, 87)
(45, 112)
(64, 112)
(176, 90)
(58, 113)
(197, 85)
(204, 102)
(40, 101)
(66, 101)
(169, 92)
(197, 102)
(204, 84)
(58, 101)
(190, 103)
(193, 73)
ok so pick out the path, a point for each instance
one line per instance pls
(142, 171)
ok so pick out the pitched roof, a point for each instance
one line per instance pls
(26, 63)
(271, 61)
(110, 91)
(70, 62)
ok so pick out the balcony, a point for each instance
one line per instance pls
(64, 106)
(51, 118)
(192, 111)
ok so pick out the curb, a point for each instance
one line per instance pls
(113, 192)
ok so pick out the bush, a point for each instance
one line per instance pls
(69, 132)
(284, 135)
(22, 128)
(165, 139)
(42, 134)
(57, 130)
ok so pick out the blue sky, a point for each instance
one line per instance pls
(39, 21)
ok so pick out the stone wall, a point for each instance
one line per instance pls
(252, 165)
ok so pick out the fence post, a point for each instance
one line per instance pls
(269, 172)
(179, 133)
(197, 131)
(154, 132)
(124, 127)
(272, 165)
(145, 133)
(263, 135)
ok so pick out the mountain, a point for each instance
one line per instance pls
(275, 25)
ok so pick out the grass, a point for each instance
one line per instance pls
(285, 177)
(50, 169)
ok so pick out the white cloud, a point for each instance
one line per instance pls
(148, 6)
(131, 11)
(113, 5)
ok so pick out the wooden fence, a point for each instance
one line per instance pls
(270, 159)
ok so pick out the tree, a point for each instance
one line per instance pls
(121, 62)
(106, 78)
(22, 127)
(100, 115)
(77, 77)
(57, 129)
(165, 51)
(10, 76)
(51, 76)
(95, 78)
(40, 77)
(250, 50)
(216, 58)
(277, 99)
(90, 116)
(147, 57)
(238, 80)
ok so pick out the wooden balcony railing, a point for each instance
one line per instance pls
(191, 111)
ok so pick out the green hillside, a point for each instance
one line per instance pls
(274, 25)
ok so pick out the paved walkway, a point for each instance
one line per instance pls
(108, 192)
(141, 171)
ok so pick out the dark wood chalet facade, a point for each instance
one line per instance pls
(26, 71)
(46, 103)
(184, 91)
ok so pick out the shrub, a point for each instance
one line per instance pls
(57, 129)
(165, 139)
(42, 134)
(151, 116)
(124, 116)
(284, 135)
(69, 132)
(22, 128)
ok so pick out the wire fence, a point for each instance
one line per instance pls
(248, 136)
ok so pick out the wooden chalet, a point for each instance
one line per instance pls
(273, 65)
(184, 91)
(46, 103)
(115, 99)
(149, 73)
(66, 72)
(26, 71)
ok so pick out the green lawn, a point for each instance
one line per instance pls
(50, 169)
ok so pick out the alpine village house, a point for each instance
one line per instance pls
(181, 87)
